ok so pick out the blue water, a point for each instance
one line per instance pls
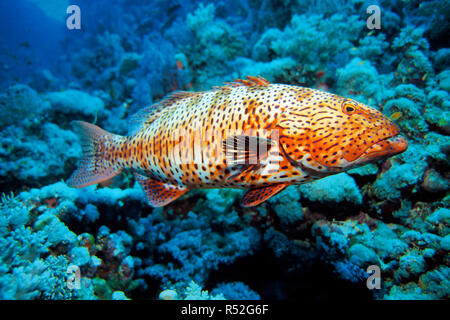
(315, 241)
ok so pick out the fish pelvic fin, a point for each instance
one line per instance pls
(97, 164)
(159, 193)
(253, 197)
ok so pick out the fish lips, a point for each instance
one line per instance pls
(385, 148)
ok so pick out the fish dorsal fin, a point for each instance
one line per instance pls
(144, 116)
(249, 82)
(159, 193)
(173, 97)
(243, 149)
(147, 115)
(256, 196)
(252, 81)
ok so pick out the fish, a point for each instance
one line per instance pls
(320, 74)
(24, 44)
(179, 64)
(246, 134)
(396, 115)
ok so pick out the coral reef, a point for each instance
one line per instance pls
(313, 241)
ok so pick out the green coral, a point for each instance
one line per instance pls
(215, 44)
(310, 33)
(194, 292)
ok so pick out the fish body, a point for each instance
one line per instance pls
(248, 134)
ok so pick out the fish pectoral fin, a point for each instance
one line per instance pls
(242, 149)
(256, 196)
(159, 193)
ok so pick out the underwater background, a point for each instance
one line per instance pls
(313, 241)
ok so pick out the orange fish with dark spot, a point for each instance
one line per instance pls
(180, 65)
(247, 134)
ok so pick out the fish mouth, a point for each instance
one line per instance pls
(384, 148)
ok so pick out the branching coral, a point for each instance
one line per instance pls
(391, 214)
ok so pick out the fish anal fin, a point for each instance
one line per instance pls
(256, 196)
(243, 149)
(159, 193)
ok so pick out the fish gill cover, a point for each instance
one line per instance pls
(102, 61)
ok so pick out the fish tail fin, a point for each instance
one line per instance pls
(98, 163)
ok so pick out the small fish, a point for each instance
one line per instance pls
(24, 44)
(172, 14)
(145, 26)
(180, 65)
(319, 74)
(396, 115)
(247, 134)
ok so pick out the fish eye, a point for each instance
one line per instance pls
(349, 107)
